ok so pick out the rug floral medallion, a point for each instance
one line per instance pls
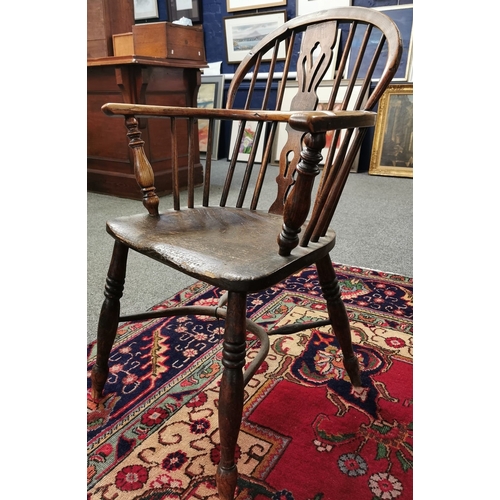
(306, 433)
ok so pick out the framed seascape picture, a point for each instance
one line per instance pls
(236, 5)
(183, 8)
(244, 32)
(402, 15)
(392, 150)
(210, 96)
(324, 91)
(145, 9)
(247, 142)
(308, 6)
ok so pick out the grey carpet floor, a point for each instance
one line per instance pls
(373, 222)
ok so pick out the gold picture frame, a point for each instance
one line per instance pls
(392, 150)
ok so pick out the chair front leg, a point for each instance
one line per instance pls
(338, 317)
(231, 393)
(108, 319)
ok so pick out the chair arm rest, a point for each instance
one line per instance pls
(186, 112)
(306, 121)
(322, 121)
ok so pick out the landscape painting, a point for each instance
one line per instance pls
(244, 32)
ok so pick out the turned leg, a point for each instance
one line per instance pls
(338, 317)
(231, 393)
(108, 319)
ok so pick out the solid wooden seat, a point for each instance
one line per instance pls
(241, 247)
(209, 235)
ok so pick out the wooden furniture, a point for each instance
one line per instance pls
(137, 80)
(123, 44)
(170, 41)
(234, 244)
(106, 18)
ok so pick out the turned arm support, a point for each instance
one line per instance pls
(299, 200)
(298, 203)
(142, 168)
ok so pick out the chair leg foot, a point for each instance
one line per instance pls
(351, 366)
(338, 317)
(98, 379)
(226, 482)
(108, 319)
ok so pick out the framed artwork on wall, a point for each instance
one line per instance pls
(308, 6)
(236, 5)
(145, 9)
(210, 96)
(402, 15)
(244, 32)
(323, 94)
(392, 150)
(183, 8)
(247, 142)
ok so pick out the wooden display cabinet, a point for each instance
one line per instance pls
(137, 80)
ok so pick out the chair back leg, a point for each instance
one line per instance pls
(338, 317)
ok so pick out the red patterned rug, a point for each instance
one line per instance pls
(306, 435)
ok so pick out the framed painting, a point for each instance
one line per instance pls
(402, 15)
(236, 5)
(247, 142)
(324, 91)
(244, 32)
(145, 9)
(210, 96)
(392, 150)
(183, 8)
(307, 6)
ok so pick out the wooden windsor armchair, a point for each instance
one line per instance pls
(242, 248)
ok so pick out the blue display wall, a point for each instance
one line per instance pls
(213, 13)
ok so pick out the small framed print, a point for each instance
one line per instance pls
(183, 8)
(247, 142)
(244, 32)
(145, 9)
(392, 150)
(210, 96)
